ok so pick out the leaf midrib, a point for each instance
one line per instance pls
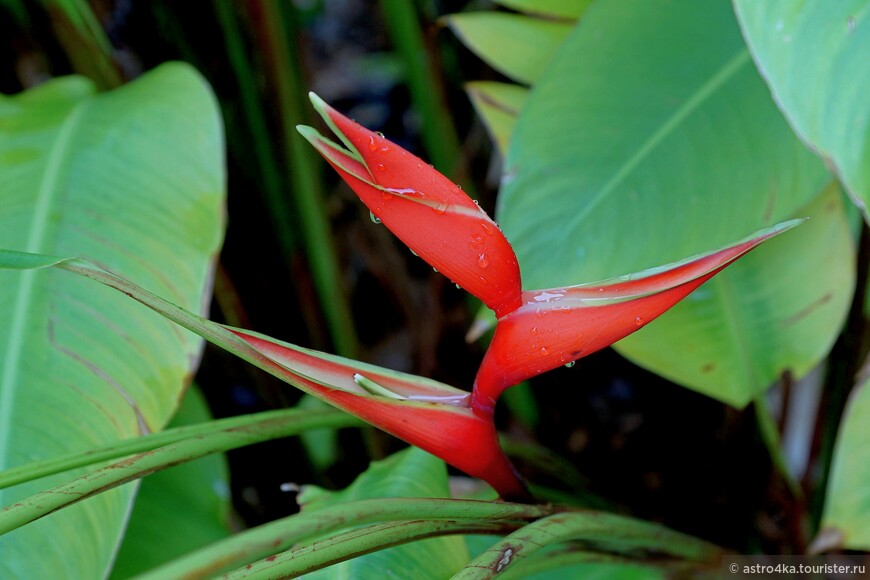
(698, 97)
(48, 193)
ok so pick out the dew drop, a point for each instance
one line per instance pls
(487, 228)
(379, 134)
(441, 208)
(458, 287)
(375, 219)
(413, 252)
(568, 365)
(482, 261)
(476, 239)
(638, 321)
(372, 145)
(545, 351)
(380, 167)
(434, 269)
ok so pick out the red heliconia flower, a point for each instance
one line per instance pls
(535, 331)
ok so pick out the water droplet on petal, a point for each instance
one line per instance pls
(380, 167)
(568, 365)
(487, 228)
(476, 239)
(372, 145)
(458, 287)
(482, 261)
(638, 321)
(441, 208)
(434, 269)
(545, 351)
(375, 219)
(413, 252)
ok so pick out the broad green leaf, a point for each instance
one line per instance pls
(552, 8)
(132, 179)
(767, 314)
(814, 55)
(847, 501)
(499, 105)
(409, 473)
(180, 509)
(515, 45)
(637, 148)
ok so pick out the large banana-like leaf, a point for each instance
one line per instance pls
(814, 55)
(636, 147)
(132, 179)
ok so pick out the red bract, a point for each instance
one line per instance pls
(425, 413)
(427, 211)
(535, 331)
(555, 327)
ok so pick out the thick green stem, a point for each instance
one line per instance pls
(269, 425)
(275, 537)
(769, 431)
(142, 464)
(85, 41)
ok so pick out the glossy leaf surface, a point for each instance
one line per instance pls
(814, 54)
(518, 46)
(847, 501)
(499, 105)
(94, 175)
(635, 137)
(779, 309)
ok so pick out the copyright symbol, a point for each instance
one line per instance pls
(734, 568)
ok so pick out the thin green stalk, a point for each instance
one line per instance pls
(280, 535)
(277, 200)
(769, 431)
(277, 29)
(438, 132)
(145, 463)
(84, 41)
(270, 425)
(607, 532)
(320, 554)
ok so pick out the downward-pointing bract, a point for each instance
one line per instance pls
(427, 211)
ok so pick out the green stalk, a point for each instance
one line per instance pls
(277, 200)
(320, 554)
(280, 535)
(277, 28)
(142, 464)
(269, 425)
(438, 132)
(769, 431)
(611, 533)
(84, 41)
